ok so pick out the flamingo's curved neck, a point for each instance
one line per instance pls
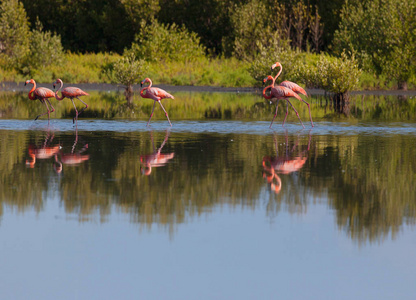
(268, 97)
(278, 74)
(56, 93)
(31, 92)
(143, 91)
(150, 83)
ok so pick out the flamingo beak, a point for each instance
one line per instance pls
(54, 86)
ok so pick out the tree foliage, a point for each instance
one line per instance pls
(158, 42)
(45, 50)
(382, 34)
(14, 32)
(337, 75)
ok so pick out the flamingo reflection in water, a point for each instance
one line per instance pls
(73, 158)
(45, 151)
(289, 163)
(155, 159)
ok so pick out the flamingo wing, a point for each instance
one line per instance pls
(294, 87)
(44, 93)
(71, 92)
(284, 92)
(161, 93)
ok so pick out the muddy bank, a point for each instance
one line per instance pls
(13, 86)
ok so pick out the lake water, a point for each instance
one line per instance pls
(219, 206)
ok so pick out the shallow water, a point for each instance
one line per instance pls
(207, 209)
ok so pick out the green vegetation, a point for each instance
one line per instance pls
(215, 42)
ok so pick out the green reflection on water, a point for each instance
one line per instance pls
(196, 106)
(366, 180)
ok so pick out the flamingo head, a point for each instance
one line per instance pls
(277, 64)
(30, 81)
(145, 80)
(267, 79)
(58, 81)
(146, 170)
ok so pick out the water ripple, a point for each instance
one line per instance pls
(222, 127)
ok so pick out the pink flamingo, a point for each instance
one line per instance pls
(71, 93)
(156, 159)
(293, 86)
(280, 92)
(41, 94)
(156, 94)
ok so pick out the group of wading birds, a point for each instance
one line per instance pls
(282, 91)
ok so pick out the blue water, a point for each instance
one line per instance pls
(221, 127)
(250, 245)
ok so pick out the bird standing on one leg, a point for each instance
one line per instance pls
(71, 93)
(42, 94)
(156, 94)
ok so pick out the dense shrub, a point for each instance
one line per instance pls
(14, 33)
(382, 34)
(157, 42)
(336, 75)
(45, 50)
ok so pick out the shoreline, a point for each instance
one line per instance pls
(20, 87)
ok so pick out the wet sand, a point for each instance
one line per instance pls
(20, 87)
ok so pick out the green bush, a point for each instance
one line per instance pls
(14, 33)
(45, 50)
(158, 43)
(127, 71)
(336, 75)
(382, 35)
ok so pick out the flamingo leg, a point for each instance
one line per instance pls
(275, 114)
(287, 112)
(48, 111)
(84, 108)
(297, 114)
(151, 115)
(76, 112)
(165, 113)
(309, 108)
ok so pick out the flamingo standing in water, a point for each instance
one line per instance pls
(294, 87)
(280, 92)
(71, 93)
(156, 94)
(42, 94)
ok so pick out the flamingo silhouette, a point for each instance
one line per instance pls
(156, 94)
(156, 159)
(42, 94)
(272, 166)
(72, 158)
(280, 92)
(71, 93)
(43, 152)
(294, 87)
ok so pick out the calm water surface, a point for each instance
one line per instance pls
(208, 209)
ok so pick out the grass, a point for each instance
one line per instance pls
(226, 72)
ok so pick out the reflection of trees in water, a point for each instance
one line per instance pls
(367, 179)
(377, 197)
